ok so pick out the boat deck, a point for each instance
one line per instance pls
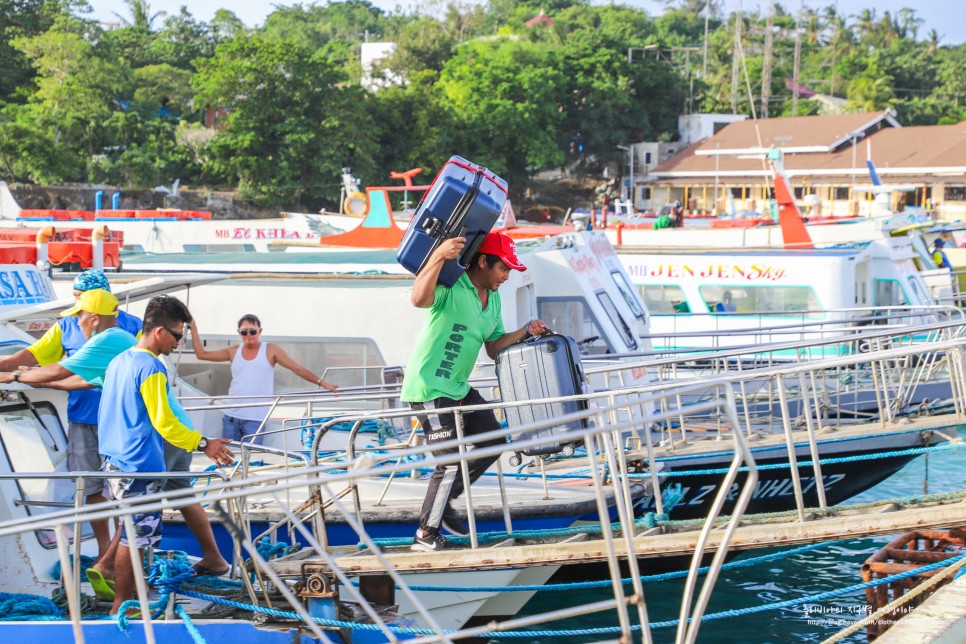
(666, 540)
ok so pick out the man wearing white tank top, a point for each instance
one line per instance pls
(252, 374)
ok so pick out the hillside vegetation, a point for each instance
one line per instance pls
(125, 106)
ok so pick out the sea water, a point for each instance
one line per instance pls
(830, 567)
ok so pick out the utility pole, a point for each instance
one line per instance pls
(766, 65)
(707, 16)
(735, 56)
(796, 73)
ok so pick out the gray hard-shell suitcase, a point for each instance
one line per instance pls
(547, 366)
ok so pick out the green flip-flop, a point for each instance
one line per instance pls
(103, 587)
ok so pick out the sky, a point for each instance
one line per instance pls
(947, 17)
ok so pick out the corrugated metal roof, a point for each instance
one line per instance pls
(824, 131)
(935, 152)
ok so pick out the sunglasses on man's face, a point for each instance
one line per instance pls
(248, 331)
(174, 334)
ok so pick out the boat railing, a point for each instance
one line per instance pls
(607, 425)
(803, 323)
(862, 390)
(326, 481)
(688, 362)
(876, 380)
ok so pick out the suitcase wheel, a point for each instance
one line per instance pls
(568, 450)
(516, 459)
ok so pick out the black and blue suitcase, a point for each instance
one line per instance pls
(464, 200)
(547, 366)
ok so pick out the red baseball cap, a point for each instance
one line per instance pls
(503, 247)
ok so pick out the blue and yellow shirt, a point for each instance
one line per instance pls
(136, 416)
(65, 339)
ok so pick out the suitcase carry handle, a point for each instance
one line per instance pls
(470, 249)
(534, 338)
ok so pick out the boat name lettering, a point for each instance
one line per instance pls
(583, 263)
(754, 272)
(766, 489)
(246, 232)
(23, 287)
(451, 351)
(601, 247)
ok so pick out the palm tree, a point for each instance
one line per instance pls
(871, 94)
(910, 23)
(141, 17)
(932, 40)
(865, 25)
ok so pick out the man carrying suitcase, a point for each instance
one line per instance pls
(461, 319)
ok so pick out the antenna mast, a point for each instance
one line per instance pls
(796, 73)
(766, 65)
(735, 55)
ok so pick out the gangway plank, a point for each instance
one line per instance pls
(868, 521)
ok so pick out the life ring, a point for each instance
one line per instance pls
(356, 204)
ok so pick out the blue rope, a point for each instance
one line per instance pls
(380, 428)
(193, 631)
(592, 631)
(19, 607)
(86, 562)
(831, 594)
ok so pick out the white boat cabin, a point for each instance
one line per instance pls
(709, 292)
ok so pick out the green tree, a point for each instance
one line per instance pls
(413, 128)
(181, 40)
(871, 94)
(141, 18)
(23, 19)
(611, 97)
(225, 25)
(504, 96)
(291, 125)
(422, 43)
(67, 110)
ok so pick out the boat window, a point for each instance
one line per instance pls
(34, 441)
(10, 347)
(889, 293)
(134, 249)
(664, 299)
(573, 317)
(632, 299)
(762, 299)
(622, 328)
(919, 290)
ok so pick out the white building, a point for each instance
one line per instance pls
(374, 78)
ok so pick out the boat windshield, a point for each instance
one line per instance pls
(34, 441)
(889, 292)
(573, 317)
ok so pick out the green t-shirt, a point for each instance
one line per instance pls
(455, 328)
(662, 222)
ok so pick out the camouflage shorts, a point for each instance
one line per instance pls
(147, 525)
